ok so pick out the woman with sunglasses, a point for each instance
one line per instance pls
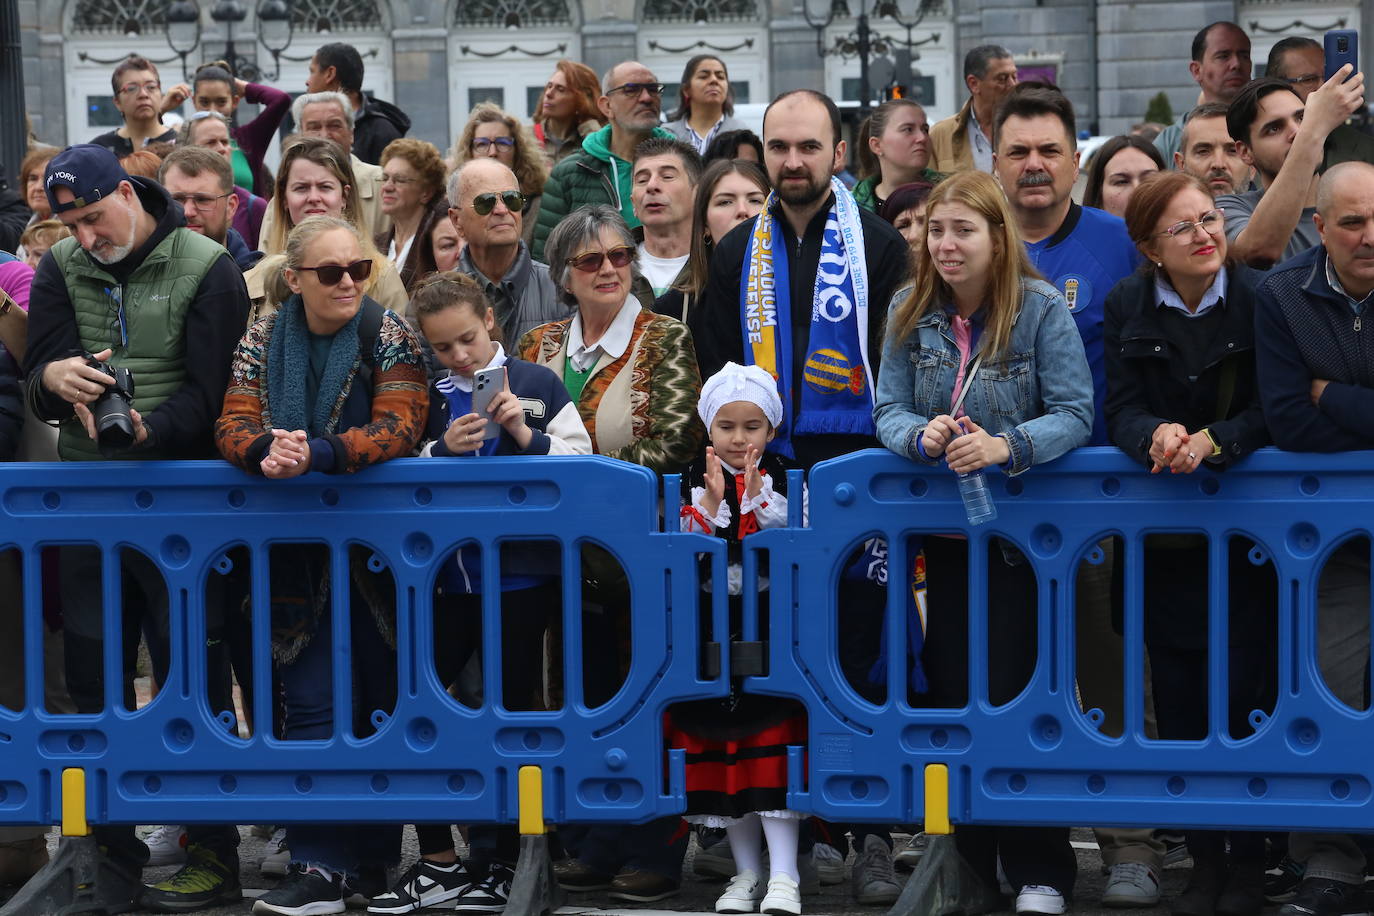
(412, 178)
(1182, 395)
(633, 376)
(316, 179)
(330, 383)
(491, 132)
(210, 129)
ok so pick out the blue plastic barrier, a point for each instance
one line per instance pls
(431, 759)
(1039, 759)
(1036, 760)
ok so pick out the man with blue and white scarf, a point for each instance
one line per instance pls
(802, 290)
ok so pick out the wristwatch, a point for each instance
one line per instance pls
(5, 302)
(1216, 449)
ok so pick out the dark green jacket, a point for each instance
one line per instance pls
(594, 175)
(864, 191)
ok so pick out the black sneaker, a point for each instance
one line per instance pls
(205, 880)
(303, 892)
(488, 895)
(1281, 882)
(1324, 897)
(424, 884)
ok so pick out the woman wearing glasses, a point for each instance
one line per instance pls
(633, 376)
(315, 179)
(1181, 395)
(138, 97)
(330, 383)
(491, 132)
(412, 177)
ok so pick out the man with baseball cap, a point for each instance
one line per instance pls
(133, 290)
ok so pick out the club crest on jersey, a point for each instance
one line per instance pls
(1078, 292)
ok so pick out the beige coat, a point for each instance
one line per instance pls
(949, 147)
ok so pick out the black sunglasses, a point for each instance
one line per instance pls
(332, 274)
(485, 203)
(634, 90)
(591, 261)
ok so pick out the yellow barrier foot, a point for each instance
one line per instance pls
(77, 880)
(944, 885)
(533, 891)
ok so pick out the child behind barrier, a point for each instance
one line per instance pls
(732, 492)
(537, 417)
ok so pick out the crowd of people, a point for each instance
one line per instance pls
(682, 294)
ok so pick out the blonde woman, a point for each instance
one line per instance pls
(316, 179)
(983, 368)
(499, 135)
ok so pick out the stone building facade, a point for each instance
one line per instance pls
(435, 58)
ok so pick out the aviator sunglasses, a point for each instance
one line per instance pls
(483, 204)
(332, 274)
(591, 261)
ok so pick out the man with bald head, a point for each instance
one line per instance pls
(485, 206)
(599, 173)
(1316, 381)
(1220, 66)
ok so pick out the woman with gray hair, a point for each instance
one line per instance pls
(633, 373)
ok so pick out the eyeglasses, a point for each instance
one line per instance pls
(400, 180)
(634, 90)
(207, 113)
(483, 204)
(1211, 223)
(198, 201)
(332, 274)
(590, 262)
(1311, 79)
(482, 145)
(149, 87)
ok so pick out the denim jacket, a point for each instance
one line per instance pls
(1038, 396)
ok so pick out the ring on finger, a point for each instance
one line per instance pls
(1192, 456)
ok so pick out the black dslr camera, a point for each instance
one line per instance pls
(114, 425)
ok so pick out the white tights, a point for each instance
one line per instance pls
(781, 834)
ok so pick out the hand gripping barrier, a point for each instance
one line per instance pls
(431, 759)
(1039, 759)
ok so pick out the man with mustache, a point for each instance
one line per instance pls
(1220, 66)
(632, 100)
(1316, 384)
(138, 290)
(1084, 252)
(1284, 137)
(1206, 151)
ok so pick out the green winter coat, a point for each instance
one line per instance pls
(594, 175)
(864, 194)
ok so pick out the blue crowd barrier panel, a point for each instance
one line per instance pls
(1041, 758)
(425, 758)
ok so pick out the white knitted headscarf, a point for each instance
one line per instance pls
(740, 383)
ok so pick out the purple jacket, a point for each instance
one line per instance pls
(255, 137)
(248, 217)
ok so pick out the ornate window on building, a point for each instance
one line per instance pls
(335, 15)
(698, 11)
(511, 14)
(119, 17)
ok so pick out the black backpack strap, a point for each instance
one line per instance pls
(369, 329)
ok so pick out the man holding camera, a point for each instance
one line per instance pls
(133, 327)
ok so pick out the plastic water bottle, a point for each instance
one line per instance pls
(978, 504)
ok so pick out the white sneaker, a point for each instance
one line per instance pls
(910, 855)
(742, 894)
(1037, 898)
(166, 845)
(829, 863)
(275, 856)
(1131, 884)
(783, 897)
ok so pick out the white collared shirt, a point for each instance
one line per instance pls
(1167, 297)
(979, 143)
(1356, 306)
(465, 384)
(612, 343)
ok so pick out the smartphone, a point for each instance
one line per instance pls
(1342, 46)
(486, 385)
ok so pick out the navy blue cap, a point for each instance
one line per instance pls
(90, 172)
